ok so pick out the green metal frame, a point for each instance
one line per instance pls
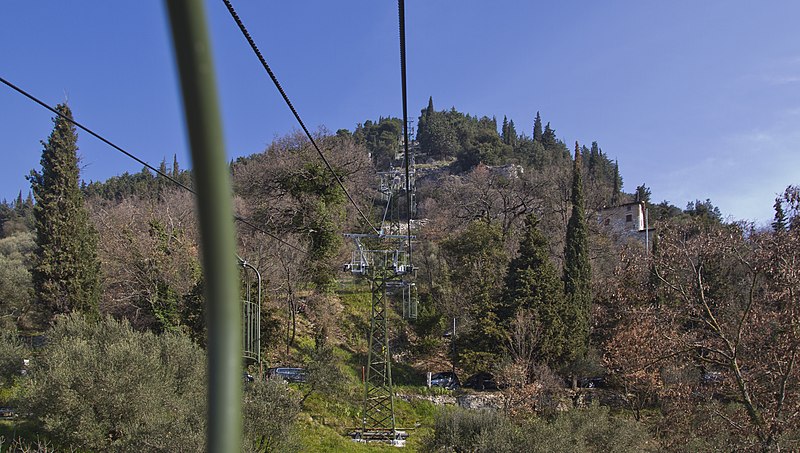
(251, 315)
(378, 422)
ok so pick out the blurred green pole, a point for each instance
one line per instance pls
(213, 186)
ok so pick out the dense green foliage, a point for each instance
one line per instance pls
(66, 271)
(577, 270)
(500, 214)
(16, 216)
(472, 140)
(16, 286)
(532, 283)
(588, 430)
(144, 185)
(269, 413)
(476, 262)
(103, 386)
(380, 139)
(12, 353)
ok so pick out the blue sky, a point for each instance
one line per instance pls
(695, 99)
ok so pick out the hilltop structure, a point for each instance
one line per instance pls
(627, 220)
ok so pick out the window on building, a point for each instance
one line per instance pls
(629, 218)
(608, 221)
(628, 207)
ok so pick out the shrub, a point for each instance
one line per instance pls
(462, 430)
(270, 412)
(102, 386)
(12, 352)
(585, 430)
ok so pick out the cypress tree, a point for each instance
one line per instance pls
(615, 191)
(512, 133)
(537, 128)
(549, 137)
(424, 134)
(594, 158)
(176, 171)
(504, 132)
(532, 283)
(577, 271)
(66, 271)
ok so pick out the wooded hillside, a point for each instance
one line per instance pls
(690, 325)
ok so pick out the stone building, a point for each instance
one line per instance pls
(627, 220)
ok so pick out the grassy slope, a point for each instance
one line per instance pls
(326, 421)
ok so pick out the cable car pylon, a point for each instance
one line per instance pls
(385, 259)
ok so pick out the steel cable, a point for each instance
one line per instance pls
(275, 81)
(150, 167)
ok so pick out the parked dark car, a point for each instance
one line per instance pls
(446, 379)
(481, 381)
(288, 374)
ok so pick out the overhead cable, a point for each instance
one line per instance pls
(275, 81)
(402, 19)
(154, 169)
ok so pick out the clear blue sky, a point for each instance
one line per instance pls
(697, 99)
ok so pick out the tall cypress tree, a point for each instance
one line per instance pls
(424, 124)
(512, 133)
(66, 272)
(577, 272)
(532, 283)
(537, 128)
(176, 171)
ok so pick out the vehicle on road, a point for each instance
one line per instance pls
(445, 379)
(288, 374)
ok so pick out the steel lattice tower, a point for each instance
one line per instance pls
(378, 416)
(388, 267)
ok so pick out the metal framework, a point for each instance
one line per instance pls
(251, 314)
(385, 259)
(378, 415)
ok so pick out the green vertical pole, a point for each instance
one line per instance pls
(212, 182)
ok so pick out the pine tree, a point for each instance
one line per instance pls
(780, 217)
(537, 128)
(532, 283)
(66, 270)
(577, 271)
(512, 133)
(504, 131)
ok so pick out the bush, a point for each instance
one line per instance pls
(586, 430)
(12, 352)
(270, 412)
(462, 430)
(102, 386)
